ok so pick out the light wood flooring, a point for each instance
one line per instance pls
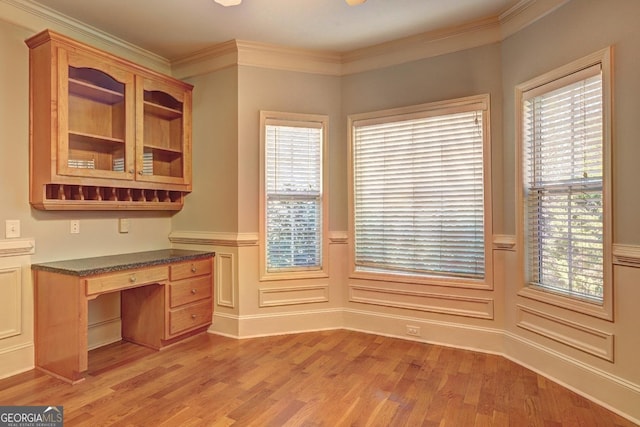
(332, 378)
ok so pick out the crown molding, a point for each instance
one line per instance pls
(426, 45)
(422, 46)
(207, 60)
(35, 17)
(256, 54)
(525, 13)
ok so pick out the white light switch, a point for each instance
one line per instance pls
(12, 228)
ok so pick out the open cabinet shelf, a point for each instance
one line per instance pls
(114, 135)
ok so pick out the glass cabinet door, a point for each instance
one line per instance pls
(97, 137)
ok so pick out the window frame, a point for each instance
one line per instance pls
(452, 106)
(544, 83)
(294, 119)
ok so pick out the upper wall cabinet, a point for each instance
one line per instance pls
(106, 134)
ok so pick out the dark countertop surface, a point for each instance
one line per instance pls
(107, 264)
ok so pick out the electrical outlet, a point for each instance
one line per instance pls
(74, 226)
(414, 331)
(12, 228)
(123, 225)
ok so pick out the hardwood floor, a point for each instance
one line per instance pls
(332, 378)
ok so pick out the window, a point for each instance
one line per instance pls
(420, 192)
(293, 197)
(564, 162)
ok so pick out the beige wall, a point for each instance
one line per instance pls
(575, 30)
(286, 91)
(593, 356)
(213, 204)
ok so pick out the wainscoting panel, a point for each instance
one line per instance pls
(10, 302)
(16, 306)
(104, 333)
(225, 279)
(589, 340)
(481, 308)
(292, 295)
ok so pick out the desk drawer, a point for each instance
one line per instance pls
(190, 317)
(187, 269)
(127, 279)
(188, 291)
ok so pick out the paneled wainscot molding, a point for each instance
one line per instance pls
(292, 295)
(589, 340)
(338, 237)
(504, 242)
(628, 255)
(214, 238)
(457, 305)
(17, 247)
(225, 279)
(10, 302)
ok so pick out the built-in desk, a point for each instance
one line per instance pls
(166, 295)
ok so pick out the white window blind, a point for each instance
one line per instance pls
(293, 196)
(418, 194)
(563, 136)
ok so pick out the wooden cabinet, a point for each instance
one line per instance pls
(161, 303)
(106, 134)
(158, 316)
(189, 297)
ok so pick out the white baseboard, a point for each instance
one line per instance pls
(262, 325)
(612, 392)
(16, 359)
(468, 337)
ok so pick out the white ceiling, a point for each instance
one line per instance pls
(176, 28)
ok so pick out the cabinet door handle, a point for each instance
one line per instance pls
(193, 316)
(193, 291)
(132, 279)
(193, 268)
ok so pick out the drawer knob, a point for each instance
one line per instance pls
(193, 291)
(193, 316)
(193, 269)
(132, 279)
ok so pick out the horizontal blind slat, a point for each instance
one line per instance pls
(563, 168)
(418, 195)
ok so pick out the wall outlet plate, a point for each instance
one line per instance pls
(74, 226)
(413, 331)
(123, 225)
